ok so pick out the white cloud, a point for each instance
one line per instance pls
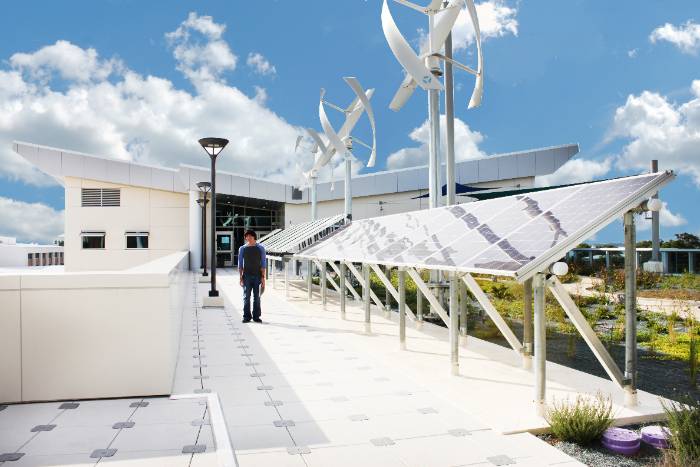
(660, 129)
(575, 171)
(666, 219)
(29, 222)
(260, 64)
(496, 19)
(143, 118)
(201, 53)
(466, 145)
(69, 61)
(686, 36)
(633, 53)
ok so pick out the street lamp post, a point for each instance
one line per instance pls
(213, 147)
(204, 188)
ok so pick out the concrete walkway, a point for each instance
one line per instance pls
(306, 388)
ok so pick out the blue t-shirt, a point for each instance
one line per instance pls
(251, 259)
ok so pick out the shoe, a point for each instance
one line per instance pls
(257, 320)
(246, 320)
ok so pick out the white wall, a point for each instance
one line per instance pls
(164, 214)
(92, 334)
(368, 206)
(15, 256)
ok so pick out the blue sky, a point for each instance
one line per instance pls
(591, 72)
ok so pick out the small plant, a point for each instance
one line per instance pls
(693, 354)
(501, 292)
(582, 421)
(684, 425)
(671, 324)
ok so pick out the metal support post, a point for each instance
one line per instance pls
(343, 292)
(402, 308)
(527, 324)
(366, 297)
(449, 124)
(630, 311)
(348, 187)
(454, 324)
(463, 309)
(309, 280)
(655, 240)
(419, 308)
(324, 285)
(540, 344)
(387, 295)
(273, 267)
(286, 279)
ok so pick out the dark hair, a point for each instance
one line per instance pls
(250, 232)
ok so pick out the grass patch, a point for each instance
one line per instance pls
(684, 425)
(582, 421)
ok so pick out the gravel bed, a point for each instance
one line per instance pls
(596, 455)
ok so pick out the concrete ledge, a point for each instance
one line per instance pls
(213, 302)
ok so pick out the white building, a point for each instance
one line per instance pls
(120, 214)
(22, 255)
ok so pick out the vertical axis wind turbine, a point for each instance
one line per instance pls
(311, 176)
(424, 70)
(341, 142)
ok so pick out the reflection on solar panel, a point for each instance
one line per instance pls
(514, 236)
(299, 236)
(269, 235)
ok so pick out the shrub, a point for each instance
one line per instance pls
(582, 421)
(684, 425)
(501, 292)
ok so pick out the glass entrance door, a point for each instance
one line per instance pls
(224, 249)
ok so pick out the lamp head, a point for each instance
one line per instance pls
(204, 187)
(213, 146)
(202, 202)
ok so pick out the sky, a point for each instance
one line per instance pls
(143, 81)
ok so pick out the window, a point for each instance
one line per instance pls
(136, 240)
(93, 240)
(30, 259)
(97, 197)
(296, 193)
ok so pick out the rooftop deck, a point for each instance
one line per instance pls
(307, 388)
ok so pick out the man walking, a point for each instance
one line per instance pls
(252, 263)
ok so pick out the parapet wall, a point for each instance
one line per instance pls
(91, 334)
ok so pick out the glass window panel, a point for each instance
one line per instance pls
(93, 241)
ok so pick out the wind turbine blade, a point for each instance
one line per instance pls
(434, 5)
(478, 91)
(404, 93)
(335, 142)
(444, 22)
(403, 52)
(296, 145)
(317, 139)
(360, 92)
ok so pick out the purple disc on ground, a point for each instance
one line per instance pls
(621, 441)
(656, 436)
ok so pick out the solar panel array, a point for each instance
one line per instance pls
(514, 236)
(299, 236)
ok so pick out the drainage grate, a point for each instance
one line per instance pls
(194, 448)
(264, 387)
(273, 403)
(42, 428)
(69, 405)
(257, 375)
(123, 425)
(500, 460)
(382, 441)
(98, 453)
(283, 423)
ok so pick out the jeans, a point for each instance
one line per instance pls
(251, 284)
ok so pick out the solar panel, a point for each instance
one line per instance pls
(299, 236)
(269, 235)
(515, 235)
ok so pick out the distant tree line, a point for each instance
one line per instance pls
(682, 240)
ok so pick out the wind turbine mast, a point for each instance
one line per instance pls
(342, 142)
(425, 71)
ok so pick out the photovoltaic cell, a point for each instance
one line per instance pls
(299, 236)
(512, 235)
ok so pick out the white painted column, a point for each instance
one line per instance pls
(366, 298)
(540, 344)
(402, 308)
(195, 231)
(454, 324)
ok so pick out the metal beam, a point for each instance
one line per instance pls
(454, 323)
(588, 334)
(390, 288)
(463, 310)
(540, 344)
(527, 324)
(324, 286)
(309, 281)
(434, 303)
(402, 308)
(356, 273)
(495, 316)
(347, 284)
(630, 309)
(343, 293)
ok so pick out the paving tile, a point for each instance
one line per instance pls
(72, 460)
(271, 459)
(157, 437)
(25, 416)
(350, 456)
(164, 411)
(70, 440)
(166, 458)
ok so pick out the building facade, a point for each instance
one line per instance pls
(120, 214)
(22, 255)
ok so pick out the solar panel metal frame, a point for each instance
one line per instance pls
(299, 236)
(550, 255)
